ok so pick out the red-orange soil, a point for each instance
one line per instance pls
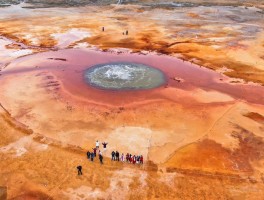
(201, 134)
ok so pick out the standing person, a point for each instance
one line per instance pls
(88, 154)
(94, 151)
(79, 168)
(127, 157)
(97, 143)
(126, 32)
(134, 159)
(122, 157)
(130, 158)
(103, 29)
(100, 153)
(141, 159)
(101, 158)
(92, 156)
(104, 145)
(117, 155)
(113, 155)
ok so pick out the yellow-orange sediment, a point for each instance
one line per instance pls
(201, 134)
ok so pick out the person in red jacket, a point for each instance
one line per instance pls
(94, 149)
(130, 159)
(134, 159)
(141, 159)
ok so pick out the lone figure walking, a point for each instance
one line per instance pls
(79, 168)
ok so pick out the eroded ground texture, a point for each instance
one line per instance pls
(201, 133)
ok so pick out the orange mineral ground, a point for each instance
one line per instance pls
(200, 132)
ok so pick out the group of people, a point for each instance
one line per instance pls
(91, 155)
(135, 159)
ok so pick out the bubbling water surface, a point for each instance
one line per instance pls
(124, 76)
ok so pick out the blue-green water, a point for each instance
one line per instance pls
(124, 76)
